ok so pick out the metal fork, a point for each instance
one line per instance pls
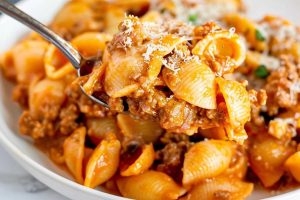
(77, 60)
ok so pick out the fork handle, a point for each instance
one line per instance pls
(70, 52)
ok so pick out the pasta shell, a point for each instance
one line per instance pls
(122, 71)
(217, 133)
(151, 16)
(237, 134)
(237, 101)
(142, 163)
(28, 60)
(70, 16)
(194, 83)
(223, 47)
(292, 164)
(111, 186)
(221, 188)
(267, 156)
(7, 65)
(206, 160)
(87, 155)
(99, 128)
(56, 64)
(114, 15)
(238, 165)
(46, 93)
(131, 126)
(248, 28)
(151, 185)
(74, 153)
(103, 163)
(91, 44)
(93, 79)
(164, 47)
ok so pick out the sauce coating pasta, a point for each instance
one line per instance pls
(204, 102)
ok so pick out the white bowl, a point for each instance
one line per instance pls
(36, 162)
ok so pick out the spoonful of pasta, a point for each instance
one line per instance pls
(80, 63)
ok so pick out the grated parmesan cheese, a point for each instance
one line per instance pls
(128, 24)
(128, 42)
(152, 48)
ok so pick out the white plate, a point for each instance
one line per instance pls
(35, 161)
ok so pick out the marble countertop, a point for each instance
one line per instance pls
(17, 184)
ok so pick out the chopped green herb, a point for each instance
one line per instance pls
(193, 18)
(259, 36)
(261, 71)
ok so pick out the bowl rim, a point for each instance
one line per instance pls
(15, 151)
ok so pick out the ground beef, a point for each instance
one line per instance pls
(170, 157)
(67, 119)
(60, 119)
(258, 99)
(34, 128)
(20, 95)
(283, 87)
(178, 116)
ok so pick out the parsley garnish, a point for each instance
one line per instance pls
(261, 71)
(193, 18)
(259, 36)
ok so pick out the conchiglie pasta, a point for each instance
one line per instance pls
(206, 160)
(74, 153)
(220, 188)
(248, 28)
(237, 102)
(99, 128)
(292, 164)
(113, 17)
(28, 60)
(161, 48)
(131, 126)
(87, 155)
(91, 44)
(93, 79)
(66, 21)
(223, 49)
(122, 72)
(149, 186)
(142, 163)
(151, 16)
(238, 165)
(194, 83)
(7, 65)
(56, 64)
(104, 162)
(217, 133)
(267, 156)
(45, 95)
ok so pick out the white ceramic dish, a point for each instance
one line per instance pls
(35, 161)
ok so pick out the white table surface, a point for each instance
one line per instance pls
(17, 184)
